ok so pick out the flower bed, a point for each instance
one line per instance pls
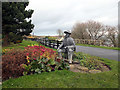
(33, 59)
(5, 51)
(90, 63)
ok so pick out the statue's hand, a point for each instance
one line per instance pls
(58, 49)
(65, 47)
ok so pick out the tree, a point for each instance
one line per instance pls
(79, 31)
(60, 32)
(89, 30)
(112, 35)
(95, 30)
(14, 19)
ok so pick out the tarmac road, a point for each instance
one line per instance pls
(100, 52)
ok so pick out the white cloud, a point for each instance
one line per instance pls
(50, 15)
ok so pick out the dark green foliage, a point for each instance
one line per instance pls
(14, 18)
(15, 38)
(38, 66)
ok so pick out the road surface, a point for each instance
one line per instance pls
(100, 52)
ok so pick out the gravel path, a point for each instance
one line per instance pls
(100, 52)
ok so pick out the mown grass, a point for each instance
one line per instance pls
(68, 79)
(24, 43)
(114, 48)
(65, 78)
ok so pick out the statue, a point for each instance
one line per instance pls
(67, 46)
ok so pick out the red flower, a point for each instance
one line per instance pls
(42, 50)
(34, 58)
(27, 54)
(41, 54)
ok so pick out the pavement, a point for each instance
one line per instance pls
(100, 52)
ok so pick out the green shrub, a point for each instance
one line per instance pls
(52, 38)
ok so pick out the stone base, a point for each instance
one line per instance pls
(94, 71)
(75, 67)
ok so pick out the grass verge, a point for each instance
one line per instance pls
(114, 48)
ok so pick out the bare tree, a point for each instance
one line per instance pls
(79, 31)
(95, 30)
(112, 35)
(60, 33)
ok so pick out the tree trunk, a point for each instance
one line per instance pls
(6, 40)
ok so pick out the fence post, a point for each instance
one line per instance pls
(50, 43)
(54, 44)
(57, 43)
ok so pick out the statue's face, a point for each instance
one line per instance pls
(67, 35)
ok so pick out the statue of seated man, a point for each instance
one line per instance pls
(67, 46)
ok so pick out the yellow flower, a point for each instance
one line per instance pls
(48, 58)
(27, 57)
(28, 61)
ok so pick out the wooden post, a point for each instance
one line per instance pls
(94, 42)
(89, 42)
(50, 43)
(100, 43)
(57, 43)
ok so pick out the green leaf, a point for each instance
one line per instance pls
(49, 69)
(25, 73)
(37, 70)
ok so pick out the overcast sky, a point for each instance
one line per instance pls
(51, 15)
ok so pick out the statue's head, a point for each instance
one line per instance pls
(67, 33)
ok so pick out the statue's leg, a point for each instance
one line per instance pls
(70, 54)
(66, 55)
(60, 53)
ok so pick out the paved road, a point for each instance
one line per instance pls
(100, 52)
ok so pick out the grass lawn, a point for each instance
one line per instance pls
(68, 79)
(114, 48)
(24, 43)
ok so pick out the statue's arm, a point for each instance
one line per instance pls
(72, 41)
(61, 45)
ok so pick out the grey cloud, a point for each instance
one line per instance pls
(63, 14)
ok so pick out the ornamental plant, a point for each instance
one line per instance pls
(11, 62)
(43, 65)
(91, 62)
(42, 59)
(33, 59)
(39, 52)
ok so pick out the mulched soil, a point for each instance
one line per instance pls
(75, 67)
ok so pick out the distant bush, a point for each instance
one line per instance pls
(51, 37)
